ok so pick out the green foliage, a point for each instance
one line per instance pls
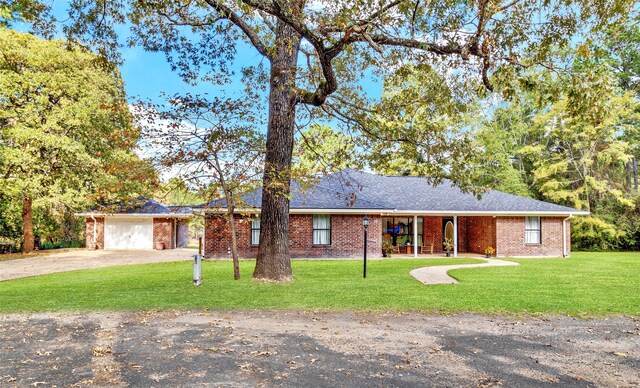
(320, 150)
(62, 245)
(421, 127)
(214, 143)
(66, 133)
(587, 284)
(568, 138)
(622, 45)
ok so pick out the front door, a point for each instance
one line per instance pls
(447, 230)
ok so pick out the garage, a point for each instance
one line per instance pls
(128, 233)
(144, 224)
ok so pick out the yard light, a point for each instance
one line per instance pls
(365, 223)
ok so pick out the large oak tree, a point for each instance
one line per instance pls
(65, 129)
(318, 51)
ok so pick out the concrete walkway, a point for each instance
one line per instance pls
(87, 259)
(440, 274)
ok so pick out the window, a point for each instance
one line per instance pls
(532, 230)
(255, 231)
(321, 229)
(398, 231)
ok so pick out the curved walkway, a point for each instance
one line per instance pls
(440, 274)
(87, 259)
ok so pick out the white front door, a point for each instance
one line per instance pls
(128, 233)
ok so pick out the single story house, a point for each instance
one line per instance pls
(406, 214)
(146, 224)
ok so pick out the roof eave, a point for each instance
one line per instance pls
(404, 212)
(133, 215)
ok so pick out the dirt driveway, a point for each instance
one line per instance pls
(86, 259)
(300, 349)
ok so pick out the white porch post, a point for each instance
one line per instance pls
(415, 236)
(455, 236)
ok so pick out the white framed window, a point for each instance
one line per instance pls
(255, 230)
(321, 229)
(532, 232)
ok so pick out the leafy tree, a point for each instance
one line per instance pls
(214, 145)
(568, 137)
(317, 52)
(421, 126)
(66, 130)
(321, 150)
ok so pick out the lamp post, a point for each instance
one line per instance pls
(365, 223)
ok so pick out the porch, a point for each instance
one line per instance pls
(431, 236)
(435, 256)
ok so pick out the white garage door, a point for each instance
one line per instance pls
(128, 233)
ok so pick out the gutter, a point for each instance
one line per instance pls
(391, 212)
(134, 215)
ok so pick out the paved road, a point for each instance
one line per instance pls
(315, 349)
(86, 259)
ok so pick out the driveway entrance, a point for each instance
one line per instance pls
(87, 259)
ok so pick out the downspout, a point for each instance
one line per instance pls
(564, 235)
(95, 229)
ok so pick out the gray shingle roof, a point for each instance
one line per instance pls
(144, 206)
(352, 189)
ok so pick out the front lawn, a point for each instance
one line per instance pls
(587, 284)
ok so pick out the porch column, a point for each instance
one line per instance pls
(455, 236)
(415, 236)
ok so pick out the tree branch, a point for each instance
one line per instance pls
(228, 13)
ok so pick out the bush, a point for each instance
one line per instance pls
(62, 244)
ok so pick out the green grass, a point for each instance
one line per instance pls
(587, 284)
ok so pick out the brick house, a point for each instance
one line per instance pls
(406, 214)
(146, 224)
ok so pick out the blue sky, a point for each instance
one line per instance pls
(147, 74)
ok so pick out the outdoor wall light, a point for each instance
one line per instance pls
(365, 223)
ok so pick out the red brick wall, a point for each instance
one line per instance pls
(88, 232)
(163, 232)
(481, 234)
(432, 226)
(347, 237)
(510, 237)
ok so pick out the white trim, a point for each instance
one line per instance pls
(455, 236)
(486, 213)
(133, 215)
(391, 212)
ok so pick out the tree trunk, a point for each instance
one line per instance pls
(234, 245)
(274, 261)
(635, 173)
(28, 241)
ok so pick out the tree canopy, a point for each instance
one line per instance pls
(66, 130)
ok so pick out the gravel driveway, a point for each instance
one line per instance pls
(316, 349)
(87, 259)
